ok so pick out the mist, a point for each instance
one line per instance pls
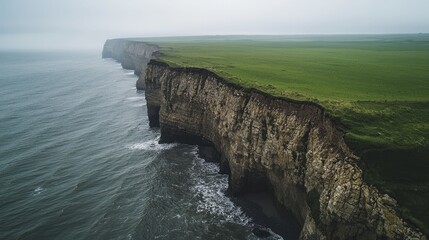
(79, 24)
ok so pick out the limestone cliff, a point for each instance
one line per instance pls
(265, 142)
(133, 55)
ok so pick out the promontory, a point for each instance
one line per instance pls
(335, 126)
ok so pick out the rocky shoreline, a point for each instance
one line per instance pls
(293, 148)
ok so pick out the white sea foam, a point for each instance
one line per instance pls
(151, 145)
(211, 186)
(135, 98)
(37, 191)
(274, 236)
(139, 105)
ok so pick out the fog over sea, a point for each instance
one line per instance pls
(79, 161)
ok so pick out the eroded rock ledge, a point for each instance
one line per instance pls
(292, 147)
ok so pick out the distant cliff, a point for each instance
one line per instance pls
(132, 55)
(266, 142)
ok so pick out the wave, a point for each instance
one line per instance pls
(151, 145)
(135, 98)
(211, 187)
(37, 191)
(139, 105)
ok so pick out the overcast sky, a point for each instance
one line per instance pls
(87, 23)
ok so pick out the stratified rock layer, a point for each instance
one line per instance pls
(266, 142)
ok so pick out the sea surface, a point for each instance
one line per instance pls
(79, 161)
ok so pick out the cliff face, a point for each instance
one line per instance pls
(291, 147)
(132, 55)
(265, 142)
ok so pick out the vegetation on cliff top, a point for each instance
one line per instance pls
(376, 86)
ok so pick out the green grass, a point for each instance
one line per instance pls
(379, 85)
(375, 86)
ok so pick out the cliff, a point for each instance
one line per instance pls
(132, 55)
(291, 147)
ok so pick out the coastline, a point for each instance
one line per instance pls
(315, 174)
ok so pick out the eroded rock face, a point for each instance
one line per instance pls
(291, 146)
(132, 55)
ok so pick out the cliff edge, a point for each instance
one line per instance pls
(291, 147)
(133, 55)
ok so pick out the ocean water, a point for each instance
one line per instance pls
(79, 161)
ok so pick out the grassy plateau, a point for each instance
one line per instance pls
(375, 86)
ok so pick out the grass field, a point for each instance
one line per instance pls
(376, 86)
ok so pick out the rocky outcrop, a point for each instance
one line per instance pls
(265, 142)
(133, 55)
